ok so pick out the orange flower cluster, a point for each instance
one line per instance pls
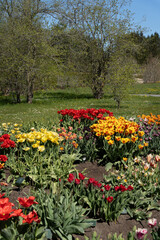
(3, 159)
(68, 136)
(119, 130)
(151, 118)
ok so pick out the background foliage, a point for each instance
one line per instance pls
(73, 43)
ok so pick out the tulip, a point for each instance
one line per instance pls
(152, 222)
(27, 202)
(141, 232)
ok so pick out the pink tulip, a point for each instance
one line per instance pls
(152, 222)
(157, 158)
(141, 232)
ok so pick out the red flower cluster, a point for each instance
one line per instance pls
(122, 188)
(32, 216)
(7, 211)
(81, 176)
(4, 136)
(89, 113)
(3, 158)
(6, 142)
(27, 202)
(77, 180)
(107, 187)
(94, 182)
(91, 180)
(71, 178)
(109, 199)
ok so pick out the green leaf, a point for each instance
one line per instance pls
(48, 233)
(19, 181)
(61, 235)
(53, 187)
(124, 211)
(9, 234)
(130, 212)
(86, 200)
(39, 232)
(69, 237)
(9, 178)
(74, 229)
(92, 222)
(33, 177)
(108, 166)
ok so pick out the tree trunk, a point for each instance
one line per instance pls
(29, 88)
(118, 102)
(18, 97)
(97, 88)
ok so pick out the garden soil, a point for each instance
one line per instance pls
(124, 223)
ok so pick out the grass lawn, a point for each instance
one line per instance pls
(46, 104)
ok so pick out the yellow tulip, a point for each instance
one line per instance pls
(107, 138)
(26, 148)
(44, 139)
(35, 145)
(41, 148)
(30, 140)
(141, 133)
(110, 142)
(21, 140)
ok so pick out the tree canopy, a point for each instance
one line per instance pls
(42, 41)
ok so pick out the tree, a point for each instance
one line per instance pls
(152, 71)
(97, 24)
(145, 47)
(26, 55)
(140, 50)
(154, 45)
(121, 70)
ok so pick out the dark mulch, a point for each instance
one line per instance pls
(124, 223)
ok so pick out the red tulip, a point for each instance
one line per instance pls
(27, 202)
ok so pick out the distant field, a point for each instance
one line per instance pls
(46, 104)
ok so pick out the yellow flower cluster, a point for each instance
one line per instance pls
(6, 125)
(38, 138)
(11, 128)
(120, 130)
(151, 118)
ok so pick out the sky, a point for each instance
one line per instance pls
(147, 15)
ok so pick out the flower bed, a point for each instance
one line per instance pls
(44, 160)
(118, 138)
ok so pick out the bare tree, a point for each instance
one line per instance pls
(152, 71)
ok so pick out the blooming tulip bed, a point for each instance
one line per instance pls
(63, 198)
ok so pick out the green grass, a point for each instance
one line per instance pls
(46, 104)
(147, 88)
